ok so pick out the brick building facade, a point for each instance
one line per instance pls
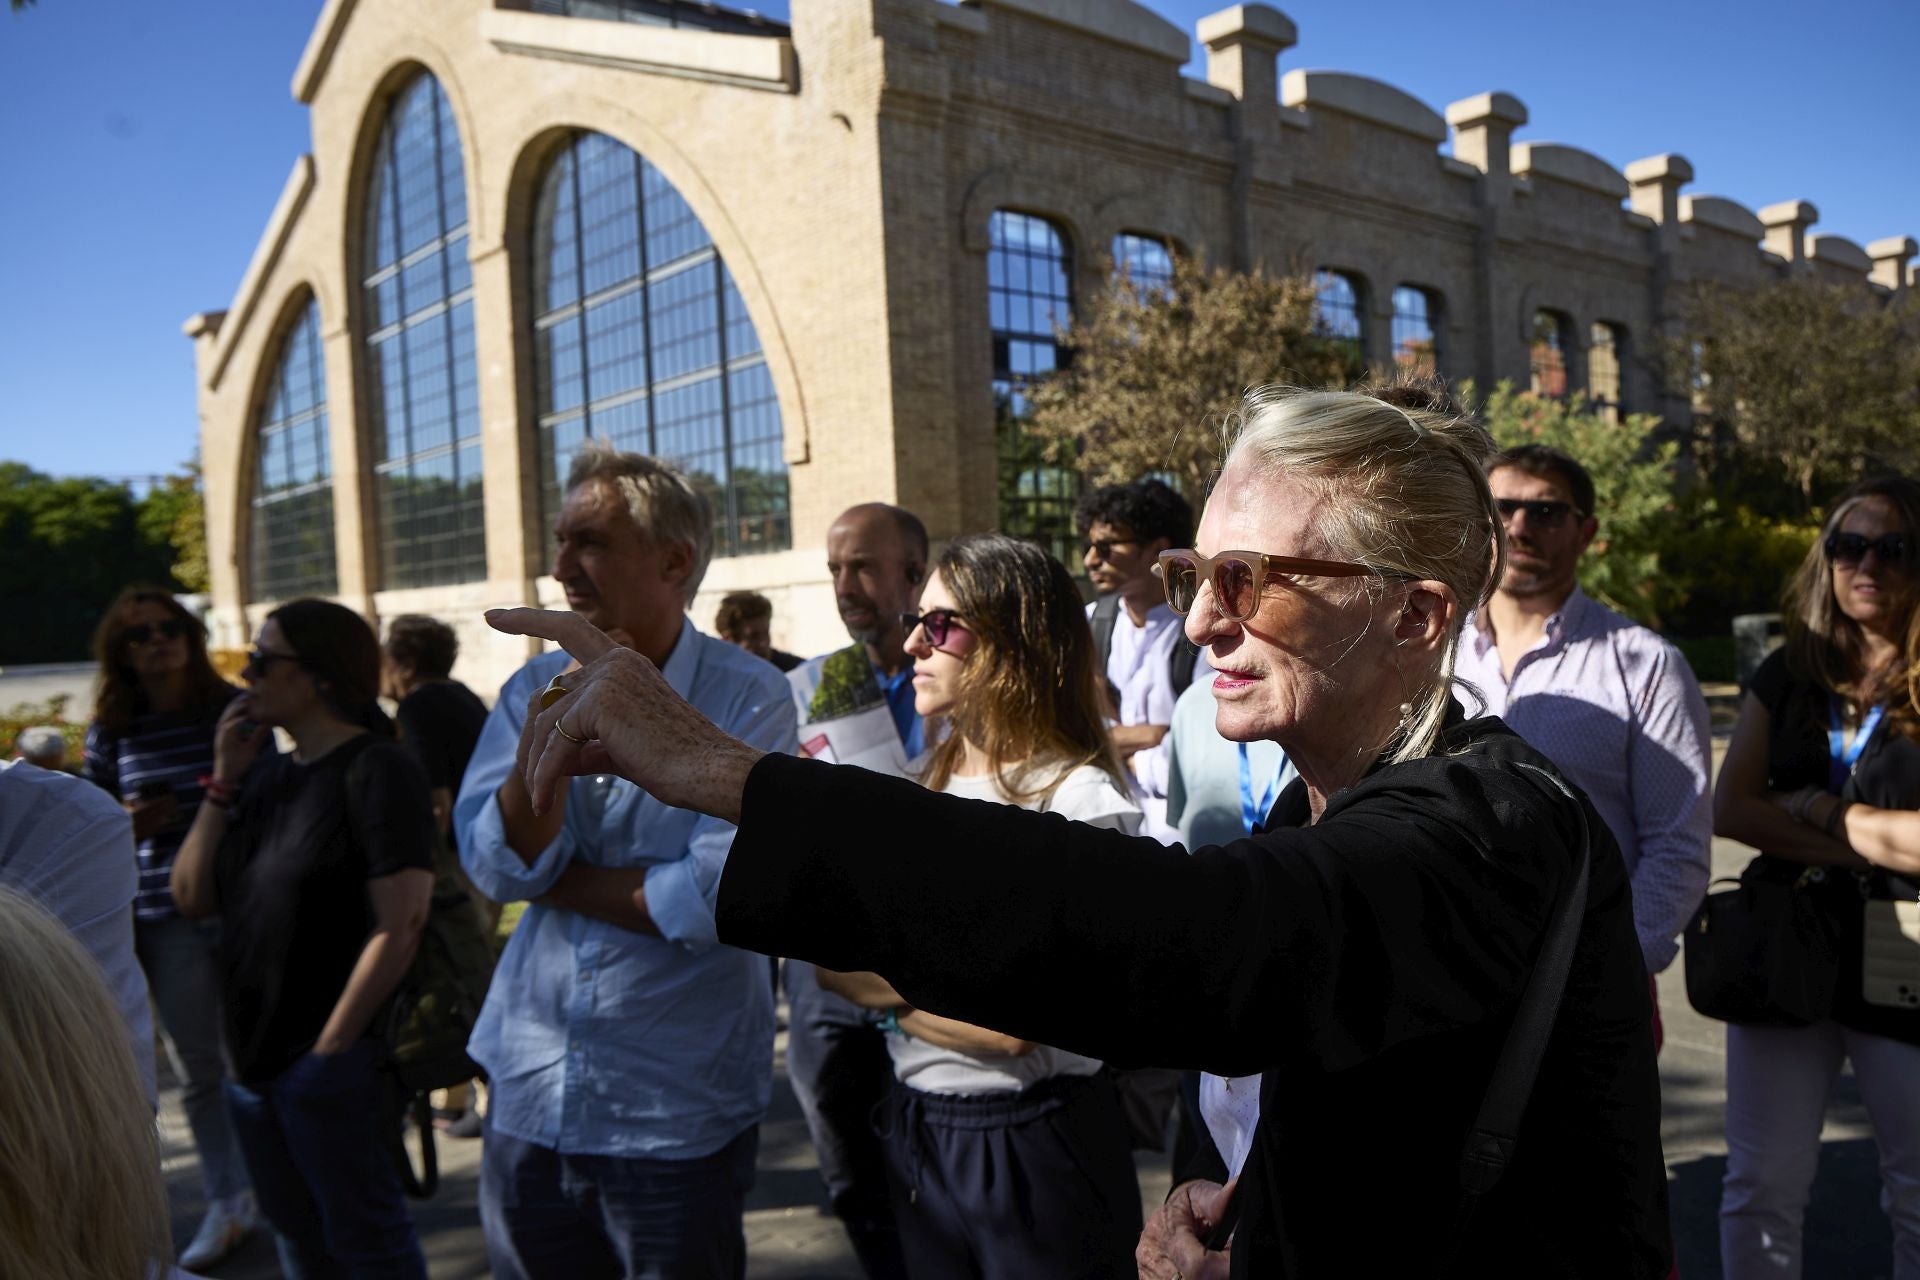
(806, 261)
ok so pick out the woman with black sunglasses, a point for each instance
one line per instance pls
(150, 744)
(321, 864)
(1823, 776)
(1005, 1157)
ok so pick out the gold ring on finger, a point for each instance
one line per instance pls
(561, 729)
(553, 693)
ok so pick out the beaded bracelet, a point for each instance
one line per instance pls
(890, 1022)
(218, 794)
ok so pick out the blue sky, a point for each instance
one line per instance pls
(144, 143)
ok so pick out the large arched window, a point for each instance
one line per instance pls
(291, 551)
(422, 393)
(640, 338)
(1029, 297)
(1549, 353)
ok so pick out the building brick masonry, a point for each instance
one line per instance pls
(846, 171)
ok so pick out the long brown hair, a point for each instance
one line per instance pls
(1827, 647)
(1027, 695)
(120, 696)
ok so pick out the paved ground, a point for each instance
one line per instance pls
(788, 1238)
(40, 682)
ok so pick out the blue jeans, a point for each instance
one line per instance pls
(316, 1143)
(181, 959)
(549, 1216)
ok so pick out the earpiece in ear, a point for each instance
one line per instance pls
(914, 574)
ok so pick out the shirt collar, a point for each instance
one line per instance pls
(1570, 612)
(683, 664)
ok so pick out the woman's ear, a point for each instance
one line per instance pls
(1425, 616)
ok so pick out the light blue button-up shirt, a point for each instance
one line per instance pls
(599, 1040)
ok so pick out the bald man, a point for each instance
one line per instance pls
(836, 1057)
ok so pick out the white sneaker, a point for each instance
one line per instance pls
(227, 1223)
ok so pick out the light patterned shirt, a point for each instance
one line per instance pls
(1617, 708)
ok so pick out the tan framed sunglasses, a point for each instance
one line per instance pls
(1238, 577)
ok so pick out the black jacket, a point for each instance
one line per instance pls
(1368, 965)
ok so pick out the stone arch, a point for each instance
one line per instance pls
(1140, 213)
(1057, 202)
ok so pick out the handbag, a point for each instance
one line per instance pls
(1763, 953)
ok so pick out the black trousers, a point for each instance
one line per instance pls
(1032, 1184)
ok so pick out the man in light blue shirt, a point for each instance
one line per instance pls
(67, 845)
(630, 1055)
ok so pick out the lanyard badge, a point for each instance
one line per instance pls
(1842, 755)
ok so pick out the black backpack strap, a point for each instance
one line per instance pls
(1489, 1147)
(1181, 662)
(1105, 611)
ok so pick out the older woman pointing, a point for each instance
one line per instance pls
(1367, 954)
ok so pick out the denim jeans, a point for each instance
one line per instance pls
(316, 1143)
(181, 959)
(549, 1215)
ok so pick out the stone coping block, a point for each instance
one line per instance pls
(1899, 248)
(1671, 167)
(1364, 97)
(1482, 107)
(1248, 24)
(1840, 252)
(1722, 214)
(1119, 21)
(1570, 165)
(749, 62)
(1788, 212)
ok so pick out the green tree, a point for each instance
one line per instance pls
(1799, 387)
(1155, 372)
(1633, 480)
(66, 546)
(174, 514)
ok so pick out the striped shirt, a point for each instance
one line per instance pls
(172, 749)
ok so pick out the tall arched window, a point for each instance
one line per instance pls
(641, 338)
(1549, 353)
(291, 551)
(424, 409)
(1146, 260)
(1339, 313)
(1416, 318)
(1606, 354)
(1029, 295)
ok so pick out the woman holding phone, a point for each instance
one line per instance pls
(1004, 1156)
(150, 745)
(321, 864)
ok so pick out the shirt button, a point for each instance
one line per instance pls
(573, 1044)
(586, 975)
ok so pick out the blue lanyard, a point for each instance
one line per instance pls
(1254, 812)
(1842, 756)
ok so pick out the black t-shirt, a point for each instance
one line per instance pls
(1887, 776)
(292, 876)
(1369, 965)
(440, 722)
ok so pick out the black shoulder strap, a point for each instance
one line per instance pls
(1496, 1129)
(1181, 662)
(1105, 610)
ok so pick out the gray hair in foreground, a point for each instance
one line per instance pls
(663, 503)
(41, 742)
(1402, 476)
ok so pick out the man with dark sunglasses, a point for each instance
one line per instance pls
(1607, 700)
(1144, 654)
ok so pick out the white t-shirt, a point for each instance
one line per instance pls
(1086, 795)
